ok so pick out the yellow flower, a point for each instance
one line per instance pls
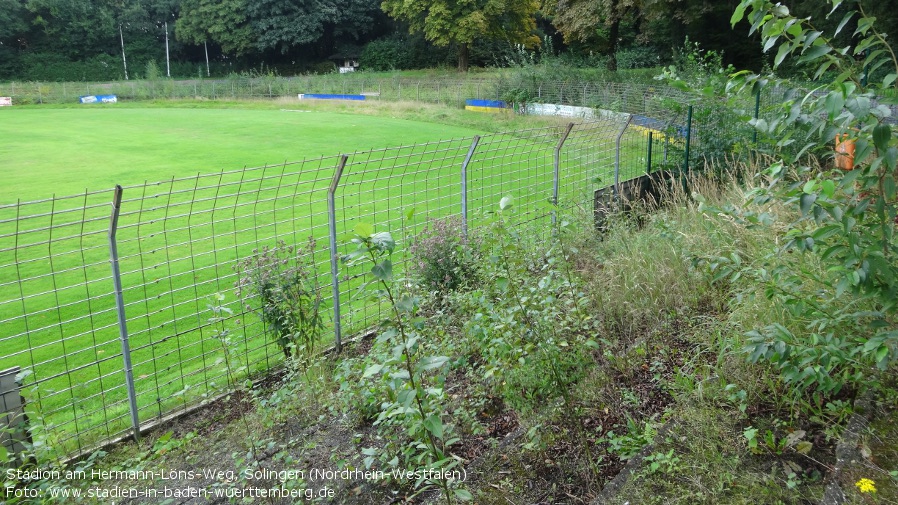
(866, 486)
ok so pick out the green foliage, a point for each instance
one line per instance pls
(153, 73)
(843, 219)
(225, 23)
(442, 258)
(640, 57)
(406, 380)
(282, 25)
(284, 284)
(445, 22)
(402, 52)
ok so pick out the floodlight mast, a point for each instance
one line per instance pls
(167, 64)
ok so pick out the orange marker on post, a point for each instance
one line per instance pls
(844, 151)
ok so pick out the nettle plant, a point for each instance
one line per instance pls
(284, 284)
(845, 219)
(407, 382)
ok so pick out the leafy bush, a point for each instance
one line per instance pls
(399, 52)
(640, 57)
(845, 220)
(57, 68)
(284, 284)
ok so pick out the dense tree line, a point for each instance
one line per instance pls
(103, 39)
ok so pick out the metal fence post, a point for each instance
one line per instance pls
(335, 266)
(557, 169)
(617, 153)
(464, 186)
(648, 162)
(688, 139)
(754, 133)
(120, 311)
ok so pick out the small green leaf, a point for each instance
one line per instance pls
(844, 21)
(809, 186)
(815, 52)
(829, 188)
(505, 203)
(364, 230)
(383, 271)
(434, 425)
(782, 53)
(372, 370)
(432, 362)
(804, 447)
(889, 80)
(882, 133)
(888, 186)
(463, 494)
(409, 214)
(383, 241)
(881, 354)
(891, 157)
(738, 14)
(806, 202)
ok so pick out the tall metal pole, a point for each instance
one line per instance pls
(120, 311)
(335, 259)
(464, 186)
(167, 64)
(556, 176)
(206, 48)
(124, 61)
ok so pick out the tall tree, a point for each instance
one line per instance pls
(12, 20)
(445, 22)
(75, 28)
(224, 22)
(596, 23)
(285, 24)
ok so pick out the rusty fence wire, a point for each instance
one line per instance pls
(108, 299)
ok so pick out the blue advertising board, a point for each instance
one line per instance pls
(98, 99)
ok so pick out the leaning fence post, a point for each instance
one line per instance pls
(464, 186)
(120, 311)
(332, 229)
(557, 167)
(617, 153)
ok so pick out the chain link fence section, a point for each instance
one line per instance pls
(175, 244)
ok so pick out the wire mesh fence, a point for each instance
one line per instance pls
(107, 351)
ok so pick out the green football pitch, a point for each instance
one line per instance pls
(46, 152)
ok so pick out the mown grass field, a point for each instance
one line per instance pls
(179, 239)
